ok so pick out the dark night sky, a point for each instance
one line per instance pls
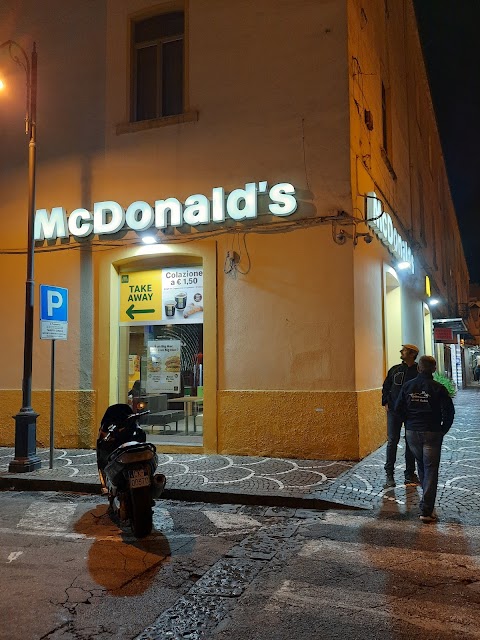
(448, 31)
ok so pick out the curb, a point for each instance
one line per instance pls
(288, 502)
(16, 483)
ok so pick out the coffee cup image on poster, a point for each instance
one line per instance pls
(182, 295)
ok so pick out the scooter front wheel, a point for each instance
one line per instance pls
(142, 514)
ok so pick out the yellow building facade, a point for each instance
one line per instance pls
(302, 166)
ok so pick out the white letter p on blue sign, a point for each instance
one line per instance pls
(53, 312)
(54, 301)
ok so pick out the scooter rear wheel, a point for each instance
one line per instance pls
(142, 514)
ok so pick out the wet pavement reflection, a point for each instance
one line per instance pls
(117, 561)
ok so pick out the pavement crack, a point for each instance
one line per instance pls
(195, 576)
(50, 634)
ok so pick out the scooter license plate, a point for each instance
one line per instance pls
(138, 478)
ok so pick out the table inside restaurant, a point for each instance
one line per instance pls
(188, 402)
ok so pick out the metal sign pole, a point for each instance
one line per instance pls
(52, 403)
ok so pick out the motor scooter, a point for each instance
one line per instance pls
(126, 467)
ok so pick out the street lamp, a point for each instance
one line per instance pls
(26, 458)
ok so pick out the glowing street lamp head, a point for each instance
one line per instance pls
(2, 85)
(433, 301)
(149, 239)
(404, 265)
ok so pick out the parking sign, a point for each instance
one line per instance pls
(53, 312)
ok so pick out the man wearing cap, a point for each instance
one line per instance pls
(392, 385)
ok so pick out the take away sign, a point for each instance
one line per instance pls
(141, 297)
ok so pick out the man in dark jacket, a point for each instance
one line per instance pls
(428, 412)
(392, 385)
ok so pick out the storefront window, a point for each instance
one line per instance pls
(427, 331)
(393, 316)
(161, 360)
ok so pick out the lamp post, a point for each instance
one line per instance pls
(26, 458)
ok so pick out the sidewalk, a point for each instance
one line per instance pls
(310, 484)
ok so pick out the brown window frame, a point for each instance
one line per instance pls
(139, 113)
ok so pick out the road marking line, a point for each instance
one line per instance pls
(369, 552)
(305, 596)
(81, 536)
(231, 520)
(356, 521)
(47, 517)
(46, 534)
(162, 520)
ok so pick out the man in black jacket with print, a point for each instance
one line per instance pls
(396, 378)
(428, 412)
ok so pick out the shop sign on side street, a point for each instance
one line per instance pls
(53, 312)
(382, 224)
(443, 334)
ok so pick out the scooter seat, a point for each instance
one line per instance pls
(132, 447)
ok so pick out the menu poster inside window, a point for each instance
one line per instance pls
(131, 365)
(133, 369)
(182, 295)
(163, 366)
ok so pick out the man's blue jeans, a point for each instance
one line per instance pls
(426, 447)
(394, 427)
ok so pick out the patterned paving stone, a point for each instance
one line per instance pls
(459, 478)
(341, 482)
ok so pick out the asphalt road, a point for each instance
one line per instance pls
(67, 572)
